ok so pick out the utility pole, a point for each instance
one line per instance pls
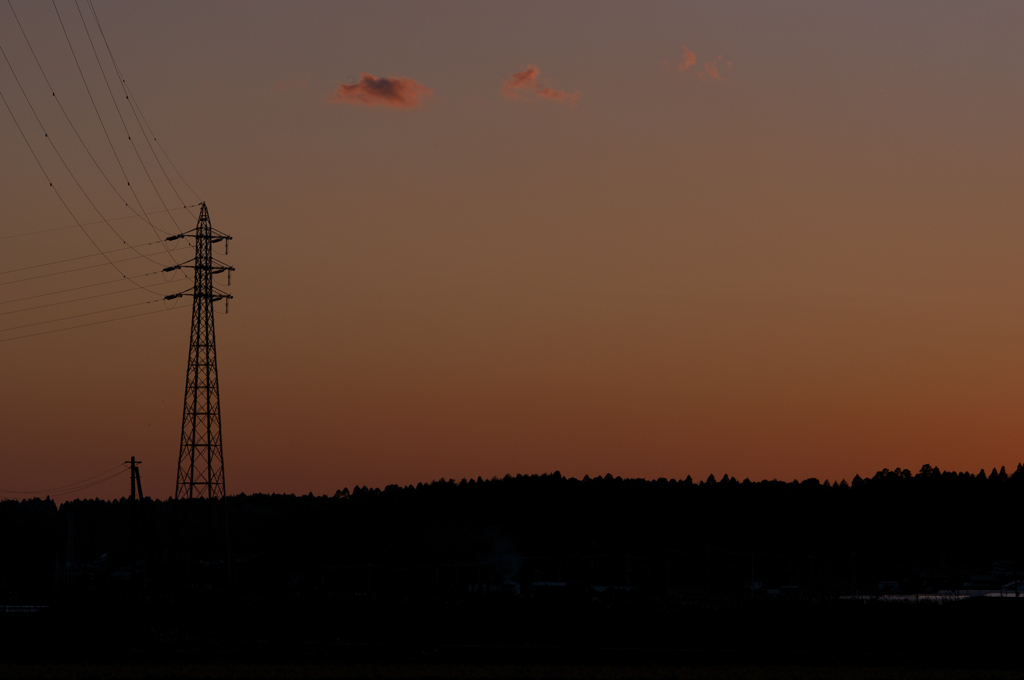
(201, 455)
(135, 510)
(136, 479)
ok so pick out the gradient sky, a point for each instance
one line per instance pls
(799, 256)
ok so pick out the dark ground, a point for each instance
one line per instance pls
(523, 577)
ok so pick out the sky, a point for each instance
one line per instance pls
(770, 240)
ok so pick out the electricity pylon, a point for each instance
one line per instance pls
(201, 456)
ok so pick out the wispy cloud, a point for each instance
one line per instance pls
(526, 84)
(398, 93)
(558, 95)
(689, 59)
(711, 70)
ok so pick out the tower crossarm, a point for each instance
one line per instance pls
(214, 294)
(214, 236)
(214, 266)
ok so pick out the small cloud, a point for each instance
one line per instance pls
(559, 95)
(525, 83)
(399, 93)
(710, 71)
(689, 59)
(295, 84)
(515, 84)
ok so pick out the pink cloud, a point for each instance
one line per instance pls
(525, 83)
(398, 93)
(559, 95)
(689, 59)
(710, 71)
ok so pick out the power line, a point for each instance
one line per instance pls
(67, 302)
(59, 488)
(78, 316)
(92, 323)
(92, 100)
(160, 146)
(74, 128)
(80, 257)
(89, 224)
(78, 269)
(96, 483)
(136, 110)
(135, 105)
(142, 214)
(90, 285)
(45, 174)
(74, 489)
(33, 151)
(113, 100)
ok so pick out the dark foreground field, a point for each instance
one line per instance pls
(609, 635)
(459, 671)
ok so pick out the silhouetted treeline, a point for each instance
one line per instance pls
(896, 532)
(526, 563)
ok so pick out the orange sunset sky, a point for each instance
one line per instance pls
(773, 240)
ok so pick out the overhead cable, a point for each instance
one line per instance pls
(80, 257)
(89, 224)
(65, 486)
(83, 487)
(90, 285)
(103, 125)
(67, 302)
(53, 92)
(113, 100)
(43, 169)
(78, 269)
(135, 105)
(78, 316)
(91, 323)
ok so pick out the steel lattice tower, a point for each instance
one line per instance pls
(201, 456)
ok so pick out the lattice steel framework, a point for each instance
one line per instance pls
(201, 456)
